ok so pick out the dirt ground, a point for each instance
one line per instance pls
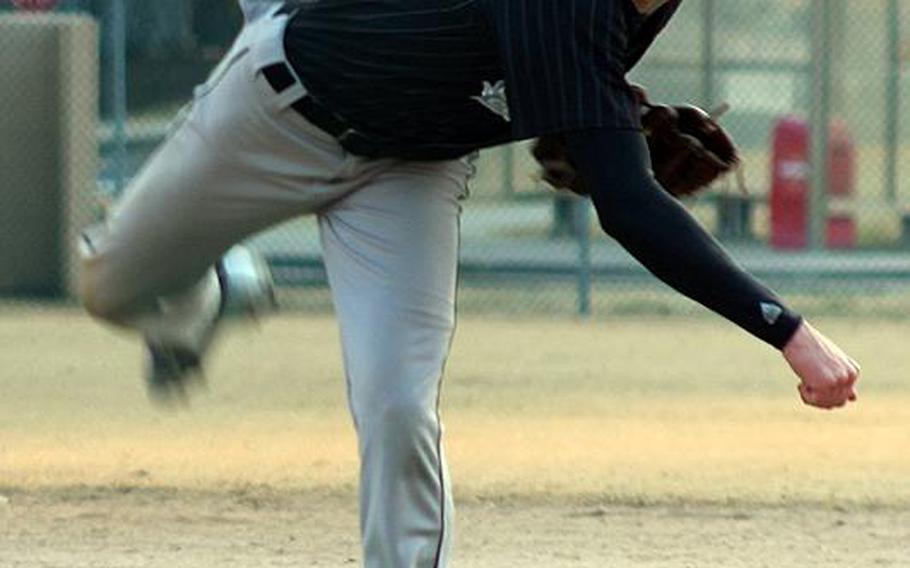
(82, 528)
(640, 443)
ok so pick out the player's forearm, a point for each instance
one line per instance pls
(660, 234)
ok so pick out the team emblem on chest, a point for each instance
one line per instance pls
(494, 98)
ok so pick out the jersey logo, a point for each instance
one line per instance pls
(771, 312)
(494, 98)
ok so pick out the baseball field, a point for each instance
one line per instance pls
(636, 442)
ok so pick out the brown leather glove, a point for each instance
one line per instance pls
(689, 151)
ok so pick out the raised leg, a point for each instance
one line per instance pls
(237, 164)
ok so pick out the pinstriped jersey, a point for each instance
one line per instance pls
(448, 77)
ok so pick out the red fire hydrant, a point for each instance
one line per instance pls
(35, 5)
(791, 186)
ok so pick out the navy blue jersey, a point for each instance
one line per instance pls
(442, 78)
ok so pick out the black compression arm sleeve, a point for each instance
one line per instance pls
(660, 233)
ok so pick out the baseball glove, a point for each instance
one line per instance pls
(689, 151)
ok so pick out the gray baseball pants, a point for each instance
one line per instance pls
(240, 161)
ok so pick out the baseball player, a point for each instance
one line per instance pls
(361, 112)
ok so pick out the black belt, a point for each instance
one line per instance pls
(280, 77)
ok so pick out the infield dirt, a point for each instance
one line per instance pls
(648, 442)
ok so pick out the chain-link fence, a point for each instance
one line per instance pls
(815, 89)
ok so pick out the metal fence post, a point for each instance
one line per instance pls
(582, 214)
(892, 100)
(709, 73)
(508, 169)
(116, 30)
(819, 118)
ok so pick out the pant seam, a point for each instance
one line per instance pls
(442, 480)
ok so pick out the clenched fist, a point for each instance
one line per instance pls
(827, 374)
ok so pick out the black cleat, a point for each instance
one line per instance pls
(169, 371)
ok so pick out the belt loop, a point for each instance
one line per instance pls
(284, 83)
(287, 97)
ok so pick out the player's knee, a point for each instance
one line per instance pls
(401, 420)
(99, 302)
(97, 291)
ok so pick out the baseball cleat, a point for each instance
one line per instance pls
(246, 284)
(244, 290)
(169, 370)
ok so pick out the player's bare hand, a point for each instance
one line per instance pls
(827, 375)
